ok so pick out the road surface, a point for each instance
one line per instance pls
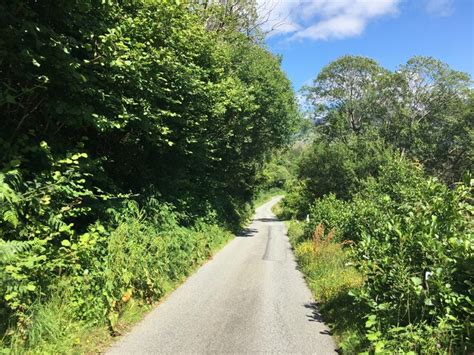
(250, 298)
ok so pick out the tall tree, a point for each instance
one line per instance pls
(423, 109)
(426, 115)
(343, 92)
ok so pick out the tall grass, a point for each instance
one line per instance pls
(112, 279)
(330, 276)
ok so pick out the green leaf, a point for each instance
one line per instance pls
(416, 280)
(11, 217)
(373, 336)
(371, 321)
(65, 243)
(10, 296)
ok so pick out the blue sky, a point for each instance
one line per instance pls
(311, 33)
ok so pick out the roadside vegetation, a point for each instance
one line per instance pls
(276, 176)
(138, 135)
(381, 213)
(133, 139)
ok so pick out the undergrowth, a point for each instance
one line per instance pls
(392, 266)
(109, 279)
(329, 275)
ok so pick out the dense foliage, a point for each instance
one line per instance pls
(424, 109)
(388, 177)
(132, 132)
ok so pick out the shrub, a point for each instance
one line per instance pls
(142, 257)
(418, 264)
(412, 235)
(412, 240)
(333, 214)
(339, 166)
(295, 203)
(132, 134)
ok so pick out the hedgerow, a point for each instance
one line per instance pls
(402, 219)
(133, 134)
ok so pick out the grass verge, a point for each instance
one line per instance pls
(330, 277)
(54, 328)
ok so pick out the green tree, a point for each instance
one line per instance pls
(423, 109)
(344, 93)
(131, 130)
(427, 115)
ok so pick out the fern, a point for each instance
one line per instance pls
(9, 249)
(7, 194)
(11, 217)
(55, 222)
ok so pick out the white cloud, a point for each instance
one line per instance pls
(322, 19)
(439, 7)
(336, 27)
(277, 16)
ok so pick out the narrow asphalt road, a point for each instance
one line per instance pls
(250, 298)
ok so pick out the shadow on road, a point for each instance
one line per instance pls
(271, 219)
(315, 316)
(247, 233)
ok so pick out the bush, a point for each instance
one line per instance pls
(411, 238)
(142, 258)
(296, 202)
(337, 167)
(133, 134)
(333, 214)
(411, 235)
(418, 262)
